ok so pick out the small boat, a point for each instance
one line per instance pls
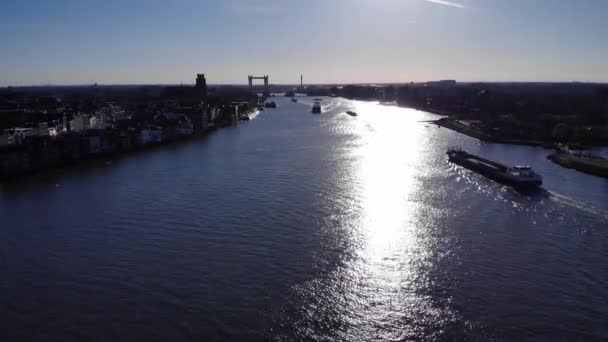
(521, 177)
(293, 99)
(260, 108)
(351, 113)
(318, 99)
(316, 108)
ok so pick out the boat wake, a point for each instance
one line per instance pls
(330, 106)
(578, 204)
(533, 199)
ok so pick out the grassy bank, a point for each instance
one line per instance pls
(464, 129)
(591, 165)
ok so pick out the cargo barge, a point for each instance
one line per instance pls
(522, 177)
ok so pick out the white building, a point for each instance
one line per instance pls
(213, 114)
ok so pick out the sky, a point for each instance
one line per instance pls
(328, 41)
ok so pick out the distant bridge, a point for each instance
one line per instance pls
(265, 78)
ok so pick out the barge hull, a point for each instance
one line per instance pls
(490, 169)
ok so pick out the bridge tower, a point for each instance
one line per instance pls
(265, 78)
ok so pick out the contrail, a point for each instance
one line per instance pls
(446, 3)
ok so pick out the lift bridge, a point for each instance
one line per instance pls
(265, 78)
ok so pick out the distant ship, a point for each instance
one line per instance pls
(516, 176)
(249, 116)
(316, 108)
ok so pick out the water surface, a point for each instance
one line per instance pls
(301, 226)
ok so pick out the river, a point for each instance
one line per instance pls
(296, 226)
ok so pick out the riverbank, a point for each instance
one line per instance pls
(588, 164)
(460, 127)
(65, 163)
(596, 166)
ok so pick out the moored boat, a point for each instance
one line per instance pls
(516, 176)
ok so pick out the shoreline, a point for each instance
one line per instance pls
(589, 165)
(448, 122)
(122, 153)
(456, 126)
(119, 153)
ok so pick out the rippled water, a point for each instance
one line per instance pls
(301, 226)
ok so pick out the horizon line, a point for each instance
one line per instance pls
(50, 85)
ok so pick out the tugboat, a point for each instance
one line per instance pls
(520, 177)
(316, 108)
(351, 113)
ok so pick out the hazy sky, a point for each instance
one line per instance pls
(154, 41)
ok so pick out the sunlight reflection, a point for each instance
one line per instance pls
(392, 262)
(387, 173)
(384, 277)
